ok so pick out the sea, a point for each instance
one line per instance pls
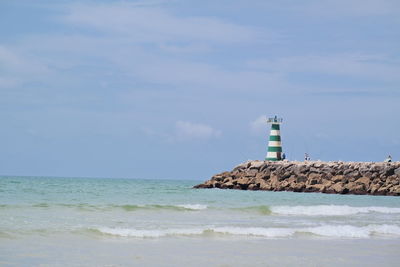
(66, 221)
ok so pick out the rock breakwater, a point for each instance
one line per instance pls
(372, 178)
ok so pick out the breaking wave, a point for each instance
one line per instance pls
(179, 207)
(348, 231)
(193, 206)
(255, 231)
(330, 210)
(330, 231)
(127, 207)
(149, 233)
(263, 209)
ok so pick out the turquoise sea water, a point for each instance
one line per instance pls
(156, 208)
(131, 210)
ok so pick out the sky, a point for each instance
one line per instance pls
(180, 89)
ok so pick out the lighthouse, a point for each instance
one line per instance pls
(274, 144)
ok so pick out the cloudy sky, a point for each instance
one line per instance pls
(180, 89)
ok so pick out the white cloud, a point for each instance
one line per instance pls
(259, 125)
(186, 130)
(351, 64)
(183, 73)
(153, 24)
(142, 43)
(10, 59)
(152, 44)
(7, 82)
(17, 67)
(334, 8)
(185, 48)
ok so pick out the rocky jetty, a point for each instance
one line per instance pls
(372, 178)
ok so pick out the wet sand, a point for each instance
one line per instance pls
(187, 251)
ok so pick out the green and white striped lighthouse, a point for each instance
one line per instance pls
(274, 143)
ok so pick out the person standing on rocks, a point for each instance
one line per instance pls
(388, 159)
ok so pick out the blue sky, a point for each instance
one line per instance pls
(179, 89)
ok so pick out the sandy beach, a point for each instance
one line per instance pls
(67, 251)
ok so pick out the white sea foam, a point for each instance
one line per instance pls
(255, 231)
(339, 231)
(353, 231)
(330, 210)
(193, 206)
(344, 231)
(386, 229)
(128, 232)
(331, 231)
